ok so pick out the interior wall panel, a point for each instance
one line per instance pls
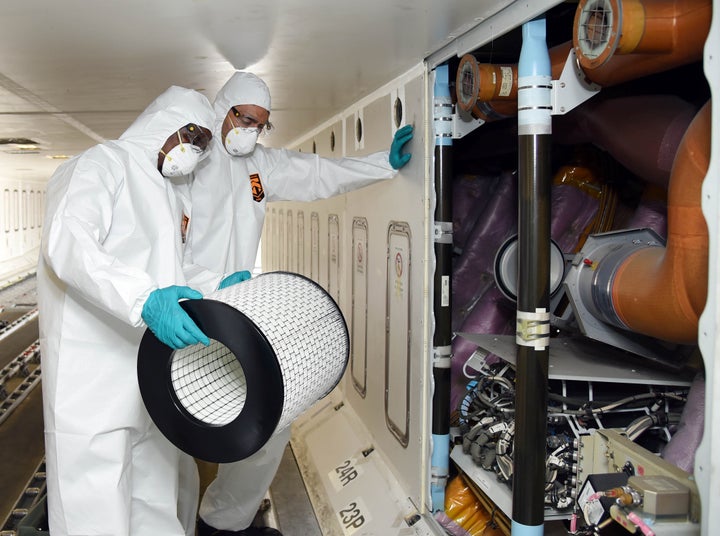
(402, 198)
(315, 247)
(359, 315)
(300, 237)
(282, 241)
(398, 332)
(398, 199)
(333, 257)
(328, 142)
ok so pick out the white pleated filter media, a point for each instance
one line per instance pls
(304, 327)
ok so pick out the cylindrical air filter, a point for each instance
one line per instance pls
(279, 343)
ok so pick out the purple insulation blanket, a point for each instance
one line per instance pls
(473, 271)
(650, 214)
(654, 123)
(683, 444)
(471, 193)
(478, 305)
(572, 210)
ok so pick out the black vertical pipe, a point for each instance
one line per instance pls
(533, 302)
(442, 334)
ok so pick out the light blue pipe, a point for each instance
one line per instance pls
(439, 462)
(442, 106)
(442, 338)
(534, 81)
(518, 529)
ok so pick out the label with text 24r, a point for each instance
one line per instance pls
(353, 516)
(345, 473)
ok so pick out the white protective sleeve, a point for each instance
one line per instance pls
(79, 215)
(294, 176)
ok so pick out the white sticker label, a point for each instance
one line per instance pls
(592, 510)
(507, 81)
(445, 291)
(353, 516)
(345, 473)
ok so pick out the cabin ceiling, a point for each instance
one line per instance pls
(73, 73)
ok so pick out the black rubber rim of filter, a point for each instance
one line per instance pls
(259, 417)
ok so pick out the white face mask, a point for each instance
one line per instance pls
(181, 160)
(241, 141)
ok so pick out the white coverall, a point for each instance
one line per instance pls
(112, 235)
(229, 195)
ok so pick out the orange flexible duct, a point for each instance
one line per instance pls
(661, 292)
(488, 91)
(614, 40)
(620, 40)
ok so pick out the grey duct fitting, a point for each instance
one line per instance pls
(506, 268)
(589, 283)
(278, 344)
(601, 258)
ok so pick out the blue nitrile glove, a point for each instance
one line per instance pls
(402, 136)
(232, 279)
(168, 321)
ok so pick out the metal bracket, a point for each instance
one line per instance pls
(573, 88)
(463, 124)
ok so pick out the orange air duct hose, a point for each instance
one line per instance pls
(488, 91)
(620, 40)
(615, 41)
(661, 292)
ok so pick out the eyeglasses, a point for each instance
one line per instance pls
(195, 135)
(248, 122)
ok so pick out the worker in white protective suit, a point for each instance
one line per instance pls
(110, 265)
(229, 193)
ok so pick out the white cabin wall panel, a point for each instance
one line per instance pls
(300, 242)
(328, 142)
(403, 200)
(22, 211)
(354, 137)
(315, 217)
(333, 250)
(281, 241)
(377, 129)
(265, 254)
(707, 458)
(306, 146)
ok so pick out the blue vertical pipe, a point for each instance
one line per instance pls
(442, 335)
(533, 303)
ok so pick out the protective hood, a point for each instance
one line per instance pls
(242, 88)
(171, 110)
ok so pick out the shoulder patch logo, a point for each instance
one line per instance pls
(258, 192)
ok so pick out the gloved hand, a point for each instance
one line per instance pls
(233, 279)
(168, 321)
(402, 136)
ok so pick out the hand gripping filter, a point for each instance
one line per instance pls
(279, 343)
